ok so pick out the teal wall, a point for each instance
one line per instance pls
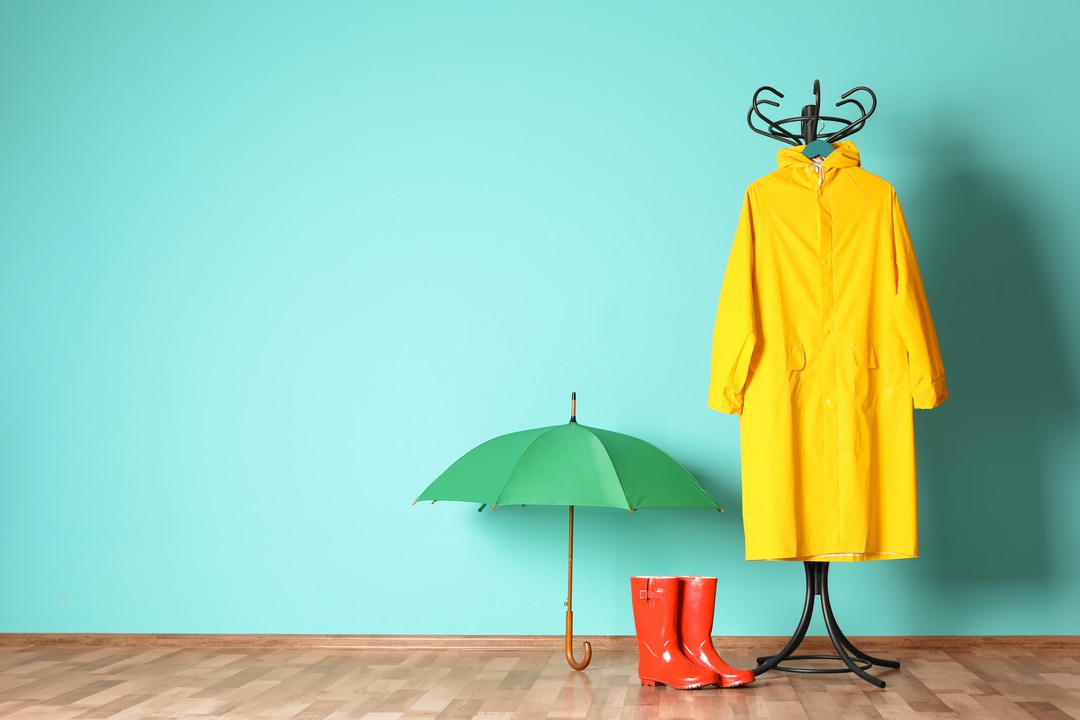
(267, 268)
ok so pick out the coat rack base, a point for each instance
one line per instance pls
(852, 658)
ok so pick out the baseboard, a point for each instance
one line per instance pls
(518, 642)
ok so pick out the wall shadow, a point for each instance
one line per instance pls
(981, 454)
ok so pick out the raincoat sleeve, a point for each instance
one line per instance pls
(912, 315)
(734, 335)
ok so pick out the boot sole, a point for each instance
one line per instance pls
(738, 684)
(648, 682)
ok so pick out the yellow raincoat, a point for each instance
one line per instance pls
(823, 345)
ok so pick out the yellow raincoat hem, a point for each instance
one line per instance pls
(842, 557)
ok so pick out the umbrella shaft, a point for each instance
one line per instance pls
(570, 566)
(584, 663)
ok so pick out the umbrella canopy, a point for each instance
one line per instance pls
(569, 465)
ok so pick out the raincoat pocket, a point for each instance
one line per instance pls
(796, 357)
(876, 379)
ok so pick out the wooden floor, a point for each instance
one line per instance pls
(62, 683)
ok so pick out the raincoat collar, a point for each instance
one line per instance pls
(844, 155)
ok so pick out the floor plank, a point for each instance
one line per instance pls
(83, 683)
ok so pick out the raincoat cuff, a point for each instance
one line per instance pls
(929, 395)
(729, 403)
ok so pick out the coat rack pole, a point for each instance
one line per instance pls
(817, 573)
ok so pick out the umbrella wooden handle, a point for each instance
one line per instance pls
(570, 607)
(570, 645)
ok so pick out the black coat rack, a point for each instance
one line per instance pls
(812, 125)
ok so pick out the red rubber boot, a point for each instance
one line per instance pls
(656, 607)
(697, 601)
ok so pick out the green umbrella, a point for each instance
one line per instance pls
(570, 465)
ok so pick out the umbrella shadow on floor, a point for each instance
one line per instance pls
(982, 483)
